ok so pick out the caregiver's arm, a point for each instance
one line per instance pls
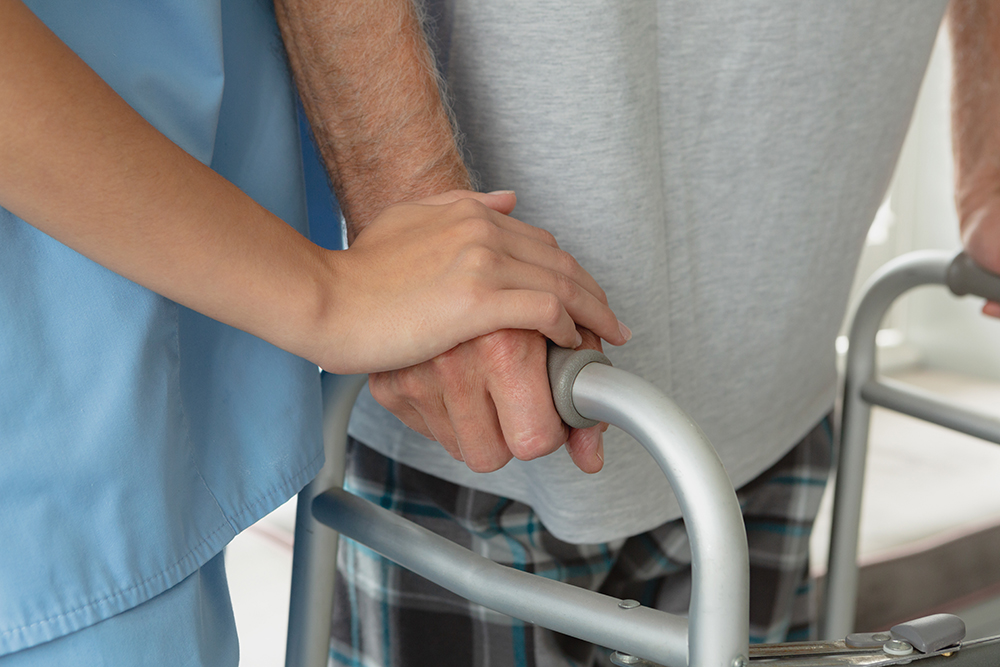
(975, 34)
(79, 164)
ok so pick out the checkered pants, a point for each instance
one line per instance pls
(386, 616)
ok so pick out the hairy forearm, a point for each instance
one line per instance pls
(369, 87)
(974, 27)
(82, 166)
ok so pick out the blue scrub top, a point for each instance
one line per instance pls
(138, 437)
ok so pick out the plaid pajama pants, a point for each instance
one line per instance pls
(385, 616)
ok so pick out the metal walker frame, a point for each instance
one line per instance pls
(715, 632)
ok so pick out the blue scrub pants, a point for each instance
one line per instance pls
(190, 625)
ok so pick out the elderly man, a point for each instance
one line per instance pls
(718, 164)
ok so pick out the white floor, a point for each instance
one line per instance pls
(924, 485)
(259, 566)
(925, 482)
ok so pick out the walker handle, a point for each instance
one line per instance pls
(564, 365)
(966, 277)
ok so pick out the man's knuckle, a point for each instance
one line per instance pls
(485, 462)
(530, 446)
(381, 386)
(411, 387)
(506, 343)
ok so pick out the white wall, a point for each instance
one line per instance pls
(938, 330)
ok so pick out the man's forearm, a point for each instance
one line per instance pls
(975, 33)
(369, 87)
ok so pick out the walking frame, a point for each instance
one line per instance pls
(586, 389)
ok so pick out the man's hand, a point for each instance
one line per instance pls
(370, 89)
(981, 239)
(488, 401)
(974, 26)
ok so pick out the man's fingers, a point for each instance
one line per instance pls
(383, 390)
(981, 240)
(402, 393)
(586, 448)
(439, 424)
(519, 388)
(478, 433)
(981, 235)
(413, 419)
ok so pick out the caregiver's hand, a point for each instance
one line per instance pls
(424, 277)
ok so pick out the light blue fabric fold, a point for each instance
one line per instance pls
(136, 436)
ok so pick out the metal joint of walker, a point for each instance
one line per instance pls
(588, 390)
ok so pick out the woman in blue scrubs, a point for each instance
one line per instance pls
(162, 316)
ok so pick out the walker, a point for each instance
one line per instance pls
(586, 390)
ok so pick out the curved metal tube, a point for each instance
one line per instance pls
(720, 601)
(314, 560)
(716, 634)
(892, 280)
(556, 605)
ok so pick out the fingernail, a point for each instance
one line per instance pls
(579, 340)
(501, 192)
(626, 332)
(600, 448)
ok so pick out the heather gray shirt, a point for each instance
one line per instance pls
(715, 166)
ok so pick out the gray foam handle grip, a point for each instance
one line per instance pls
(564, 365)
(967, 277)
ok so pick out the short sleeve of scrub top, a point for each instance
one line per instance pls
(139, 437)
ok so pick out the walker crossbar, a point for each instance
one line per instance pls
(552, 604)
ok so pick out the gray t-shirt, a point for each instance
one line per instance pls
(715, 166)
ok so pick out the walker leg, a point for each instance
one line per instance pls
(314, 561)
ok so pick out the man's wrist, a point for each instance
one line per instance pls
(369, 86)
(361, 202)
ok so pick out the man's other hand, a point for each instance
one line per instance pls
(981, 239)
